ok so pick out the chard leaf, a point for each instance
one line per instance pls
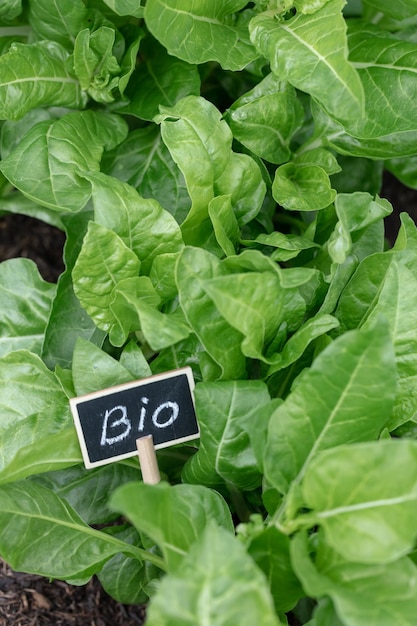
(221, 341)
(123, 577)
(200, 143)
(10, 9)
(68, 320)
(265, 119)
(288, 246)
(36, 75)
(133, 359)
(52, 155)
(126, 7)
(255, 304)
(310, 51)
(35, 450)
(94, 369)
(87, 490)
(302, 187)
(297, 344)
(162, 275)
(126, 298)
(210, 590)
(271, 552)
(364, 497)
(225, 452)
(143, 225)
(58, 21)
(383, 284)
(25, 300)
(201, 32)
(346, 396)
(401, 11)
(30, 510)
(386, 66)
(356, 212)
(321, 157)
(133, 306)
(103, 262)
(95, 65)
(161, 330)
(27, 388)
(160, 79)
(225, 225)
(152, 508)
(362, 595)
(144, 161)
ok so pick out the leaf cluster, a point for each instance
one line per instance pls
(216, 168)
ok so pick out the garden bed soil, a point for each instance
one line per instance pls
(29, 600)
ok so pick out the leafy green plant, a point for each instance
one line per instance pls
(216, 169)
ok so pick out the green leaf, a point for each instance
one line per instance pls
(385, 285)
(201, 32)
(36, 75)
(95, 65)
(133, 359)
(52, 155)
(402, 9)
(225, 452)
(26, 300)
(302, 187)
(318, 156)
(144, 162)
(27, 388)
(364, 497)
(103, 262)
(143, 225)
(160, 79)
(94, 369)
(362, 595)
(270, 551)
(310, 51)
(125, 578)
(265, 119)
(172, 516)
(58, 22)
(126, 7)
(297, 344)
(68, 320)
(162, 275)
(225, 224)
(221, 341)
(386, 66)
(87, 491)
(288, 246)
(255, 304)
(356, 211)
(65, 546)
(133, 306)
(346, 396)
(200, 143)
(35, 450)
(10, 9)
(212, 590)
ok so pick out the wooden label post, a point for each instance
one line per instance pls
(110, 421)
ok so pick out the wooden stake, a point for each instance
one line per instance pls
(147, 459)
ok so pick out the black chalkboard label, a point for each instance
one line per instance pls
(109, 421)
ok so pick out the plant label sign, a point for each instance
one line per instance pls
(109, 421)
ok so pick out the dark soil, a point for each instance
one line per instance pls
(29, 600)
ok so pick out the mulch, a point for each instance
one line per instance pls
(29, 600)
